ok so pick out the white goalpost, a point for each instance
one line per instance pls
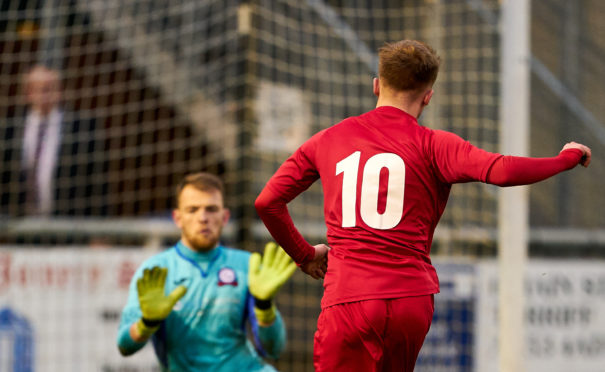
(513, 221)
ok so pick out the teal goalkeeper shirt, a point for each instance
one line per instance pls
(206, 330)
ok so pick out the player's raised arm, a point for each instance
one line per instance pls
(155, 306)
(515, 170)
(266, 276)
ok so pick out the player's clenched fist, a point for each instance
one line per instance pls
(587, 154)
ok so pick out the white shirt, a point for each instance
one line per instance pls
(49, 153)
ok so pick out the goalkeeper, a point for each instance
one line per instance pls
(195, 299)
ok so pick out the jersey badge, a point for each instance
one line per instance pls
(226, 276)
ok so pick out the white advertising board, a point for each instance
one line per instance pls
(60, 309)
(564, 316)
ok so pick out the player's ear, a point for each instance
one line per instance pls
(376, 86)
(176, 217)
(427, 97)
(226, 216)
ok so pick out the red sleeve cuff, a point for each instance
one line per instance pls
(572, 154)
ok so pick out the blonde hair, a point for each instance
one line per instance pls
(408, 65)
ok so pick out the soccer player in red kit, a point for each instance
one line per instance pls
(386, 181)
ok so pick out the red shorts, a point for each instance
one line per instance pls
(372, 335)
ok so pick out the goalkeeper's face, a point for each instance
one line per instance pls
(201, 217)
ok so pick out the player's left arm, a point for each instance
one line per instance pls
(266, 275)
(130, 314)
(147, 308)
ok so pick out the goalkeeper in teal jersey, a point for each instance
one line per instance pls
(197, 299)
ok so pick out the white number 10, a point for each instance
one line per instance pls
(370, 183)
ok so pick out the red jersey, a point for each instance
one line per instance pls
(386, 181)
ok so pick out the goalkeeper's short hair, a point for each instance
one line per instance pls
(202, 181)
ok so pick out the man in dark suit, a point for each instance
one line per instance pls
(52, 160)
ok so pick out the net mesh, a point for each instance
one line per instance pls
(568, 53)
(327, 68)
(155, 89)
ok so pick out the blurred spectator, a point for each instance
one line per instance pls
(50, 156)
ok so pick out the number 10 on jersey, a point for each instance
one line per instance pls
(370, 184)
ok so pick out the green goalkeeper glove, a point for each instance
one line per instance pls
(266, 278)
(155, 305)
